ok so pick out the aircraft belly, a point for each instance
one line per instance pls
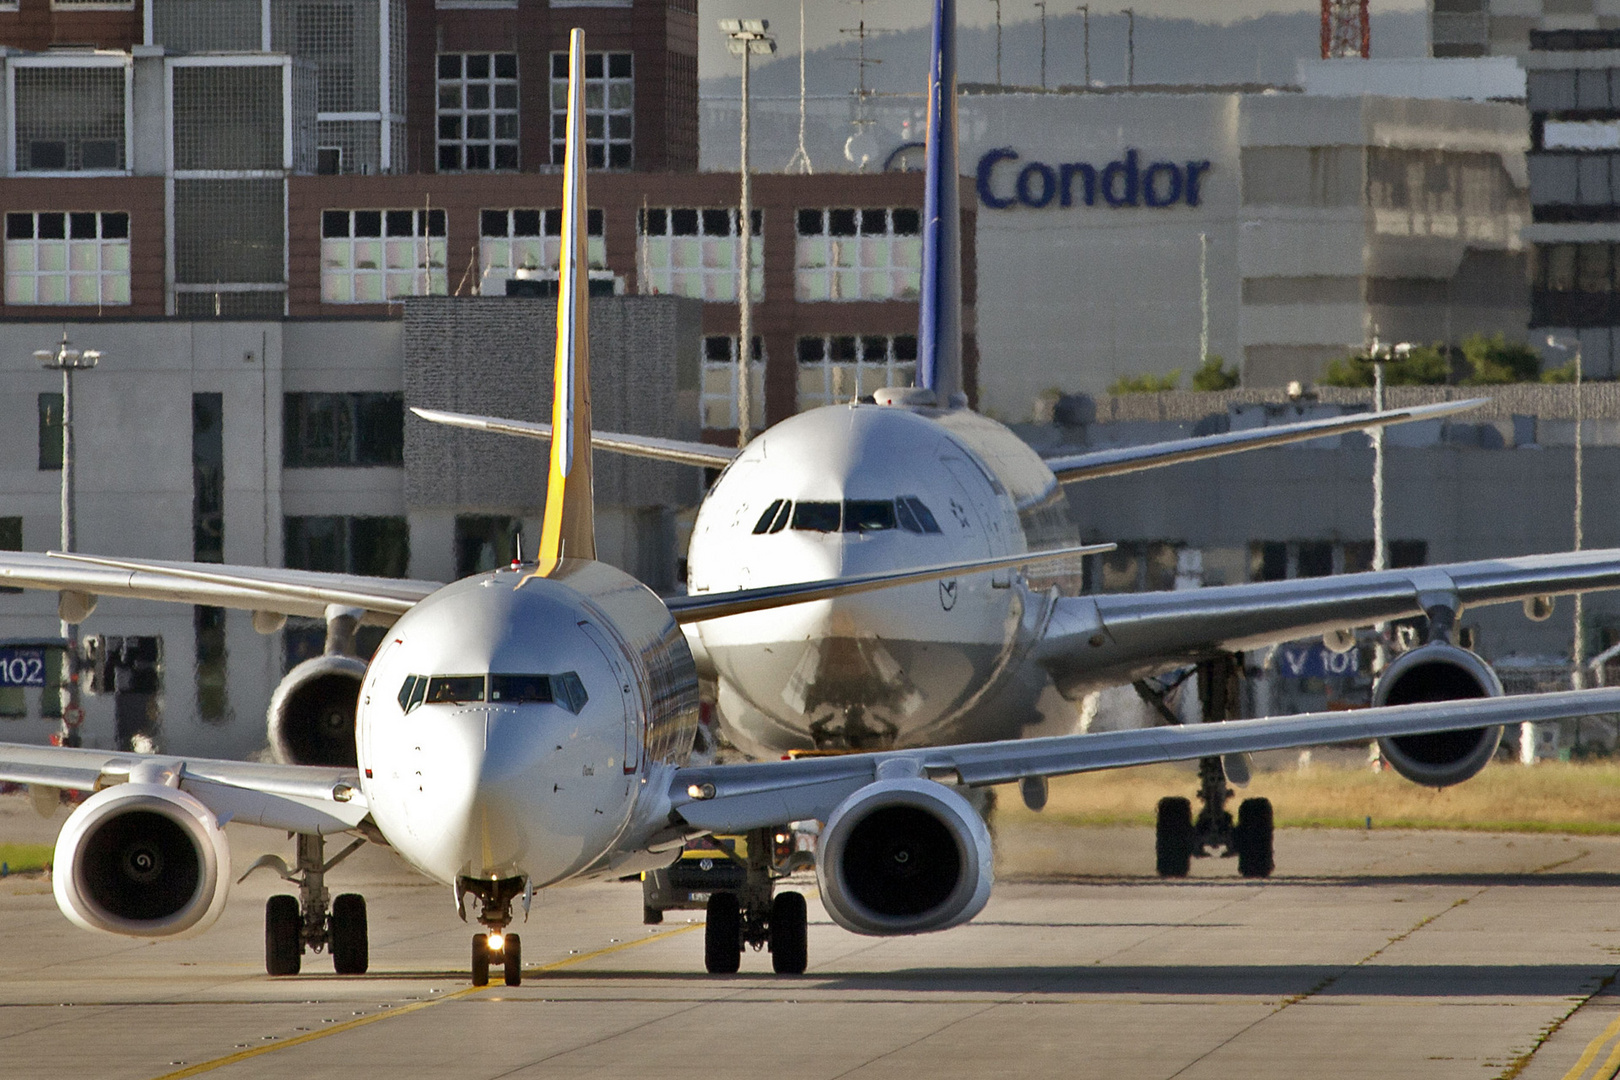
(844, 692)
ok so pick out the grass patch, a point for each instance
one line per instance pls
(1548, 797)
(26, 858)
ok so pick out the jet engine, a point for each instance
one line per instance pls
(311, 716)
(904, 856)
(144, 860)
(1438, 672)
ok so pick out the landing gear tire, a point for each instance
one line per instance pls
(351, 952)
(513, 952)
(1173, 837)
(283, 948)
(1253, 838)
(480, 960)
(651, 916)
(722, 935)
(790, 947)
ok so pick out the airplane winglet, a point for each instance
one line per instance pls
(569, 529)
(939, 316)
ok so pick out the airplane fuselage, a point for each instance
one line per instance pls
(511, 732)
(862, 488)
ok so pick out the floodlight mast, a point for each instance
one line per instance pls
(67, 360)
(745, 38)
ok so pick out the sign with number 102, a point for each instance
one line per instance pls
(22, 667)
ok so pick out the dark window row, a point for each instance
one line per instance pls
(339, 224)
(334, 430)
(697, 221)
(373, 546)
(503, 223)
(68, 225)
(844, 348)
(848, 221)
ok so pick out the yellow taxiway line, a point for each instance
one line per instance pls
(338, 1029)
(1610, 1064)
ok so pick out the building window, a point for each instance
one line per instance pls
(719, 404)
(70, 119)
(373, 546)
(848, 254)
(373, 256)
(1279, 560)
(687, 251)
(337, 430)
(528, 244)
(478, 111)
(73, 257)
(50, 432)
(840, 367)
(485, 541)
(609, 109)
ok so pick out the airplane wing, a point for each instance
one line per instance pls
(300, 798)
(648, 446)
(249, 588)
(1105, 640)
(1128, 459)
(732, 798)
(697, 607)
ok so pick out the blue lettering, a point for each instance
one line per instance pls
(1195, 173)
(1048, 185)
(987, 164)
(1151, 187)
(1067, 173)
(1124, 171)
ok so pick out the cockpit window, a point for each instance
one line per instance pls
(569, 691)
(914, 516)
(518, 688)
(450, 689)
(411, 691)
(765, 519)
(868, 515)
(817, 516)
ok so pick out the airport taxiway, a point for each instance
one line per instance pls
(1370, 954)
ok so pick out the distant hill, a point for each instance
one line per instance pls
(1262, 49)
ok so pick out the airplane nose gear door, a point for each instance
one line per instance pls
(633, 720)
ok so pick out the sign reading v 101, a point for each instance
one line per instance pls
(1003, 183)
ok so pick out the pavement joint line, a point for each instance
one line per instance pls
(337, 1029)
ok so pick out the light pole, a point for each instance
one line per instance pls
(745, 38)
(67, 360)
(1042, 5)
(1130, 45)
(1085, 27)
(1578, 650)
(998, 40)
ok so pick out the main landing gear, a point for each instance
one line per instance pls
(753, 916)
(496, 948)
(1178, 836)
(312, 920)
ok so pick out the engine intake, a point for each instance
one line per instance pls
(904, 857)
(311, 716)
(1439, 672)
(143, 860)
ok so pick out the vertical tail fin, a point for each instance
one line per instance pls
(939, 331)
(569, 528)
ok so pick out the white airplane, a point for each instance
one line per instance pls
(530, 727)
(914, 477)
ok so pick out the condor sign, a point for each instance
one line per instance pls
(1126, 182)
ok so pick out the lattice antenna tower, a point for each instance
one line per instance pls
(1345, 29)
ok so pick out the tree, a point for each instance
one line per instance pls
(1215, 375)
(1494, 360)
(1145, 384)
(1425, 365)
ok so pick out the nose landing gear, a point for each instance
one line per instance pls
(496, 947)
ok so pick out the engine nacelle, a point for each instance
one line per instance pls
(1439, 672)
(311, 717)
(143, 860)
(904, 857)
